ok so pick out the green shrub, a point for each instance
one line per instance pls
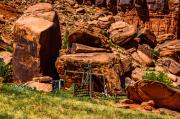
(158, 76)
(65, 43)
(155, 53)
(9, 49)
(5, 71)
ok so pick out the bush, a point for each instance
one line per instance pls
(5, 71)
(65, 43)
(158, 76)
(155, 53)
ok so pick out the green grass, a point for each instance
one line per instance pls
(26, 104)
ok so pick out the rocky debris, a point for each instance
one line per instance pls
(45, 87)
(105, 22)
(148, 37)
(37, 42)
(42, 79)
(169, 48)
(79, 48)
(165, 37)
(169, 65)
(121, 32)
(163, 96)
(106, 63)
(6, 56)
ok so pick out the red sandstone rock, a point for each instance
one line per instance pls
(36, 43)
(121, 32)
(163, 96)
(45, 87)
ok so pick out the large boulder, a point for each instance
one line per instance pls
(169, 65)
(162, 95)
(37, 41)
(121, 32)
(108, 64)
(143, 55)
(169, 48)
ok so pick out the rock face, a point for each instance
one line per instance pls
(102, 63)
(163, 96)
(169, 48)
(37, 42)
(121, 32)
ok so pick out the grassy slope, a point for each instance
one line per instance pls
(16, 103)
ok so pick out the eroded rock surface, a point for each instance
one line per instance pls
(37, 42)
(162, 95)
(103, 63)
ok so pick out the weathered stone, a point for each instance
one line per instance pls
(121, 32)
(169, 48)
(137, 74)
(148, 103)
(169, 65)
(45, 87)
(105, 22)
(165, 37)
(148, 108)
(79, 48)
(42, 79)
(89, 38)
(143, 55)
(162, 95)
(80, 10)
(6, 56)
(37, 42)
(105, 63)
(126, 101)
(148, 37)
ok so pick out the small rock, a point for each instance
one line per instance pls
(6, 56)
(76, 6)
(148, 103)
(45, 87)
(148, 108)
(126, 101)
(42, 79)
(80, 10)
(94, 22)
